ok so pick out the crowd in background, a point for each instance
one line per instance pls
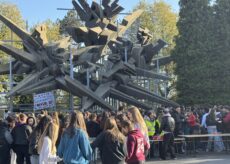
(124, 136)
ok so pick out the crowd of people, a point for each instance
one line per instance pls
(124, 136)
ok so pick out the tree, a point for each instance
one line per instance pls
(12, 12)
(160, 19)
(193, 53)
(221, 52)
(53, 33)
(70, 20)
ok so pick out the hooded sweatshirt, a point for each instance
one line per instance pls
(136, 146)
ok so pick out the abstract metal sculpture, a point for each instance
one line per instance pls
(45, 63)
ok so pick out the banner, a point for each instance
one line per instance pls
(44, 101)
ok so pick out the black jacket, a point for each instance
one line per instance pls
(3, 140)
(111, 152)
(179, 118)
(21, 134)
(33, 142)
(210, 121)
(93, 129)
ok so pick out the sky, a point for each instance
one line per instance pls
(35, 11)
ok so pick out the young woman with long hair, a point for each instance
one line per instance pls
(47, 152)
(56, 123)
(74, 146)
(136, 118)
(34, 138)
(111, 143)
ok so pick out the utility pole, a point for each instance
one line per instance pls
(11, 76)
(71, 104)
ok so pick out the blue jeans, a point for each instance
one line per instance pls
(218, 143)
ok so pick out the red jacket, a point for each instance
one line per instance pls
(192, 120)
(136, 146)
(227, 120)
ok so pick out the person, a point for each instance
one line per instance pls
(31, 121)
(5, 143)
(93, 128)
(136, 144)
(105, 116)
(74, 146)
(34, 138)
(11, 121)
(21, 133)
(226, 119)
(153, 126)
(46, 145)
(56, 123)
(152, 123)
(64, 123)
(119, 119)
(179, 118)
(111, 143)
(211, 122)
(86, 116)
(167, 127)
(136, 118)
(204, 117)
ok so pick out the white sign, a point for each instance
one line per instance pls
(44, 101)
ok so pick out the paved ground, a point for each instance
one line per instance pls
(222, 158)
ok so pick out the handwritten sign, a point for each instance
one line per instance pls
(44, 101)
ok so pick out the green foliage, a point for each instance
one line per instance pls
(161, 20)
(12, 12)
(53, 33)
(22, 99)
(70, 20)
(202, 53)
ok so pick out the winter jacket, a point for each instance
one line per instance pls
(136, 147)
(93, 129)
(21, 134)
(179, 118)
(226, 121)
(76, 149)
(112, 152)
(192, 120)
(167, 123)
(210, 121)
(33, 142)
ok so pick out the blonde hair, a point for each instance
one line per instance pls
(55, 118)
(50, 131)
(112, 131)
(76, 121)
(138, 119)
(56, 125)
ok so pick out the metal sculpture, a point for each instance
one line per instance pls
(126, 60)
(44, 63)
